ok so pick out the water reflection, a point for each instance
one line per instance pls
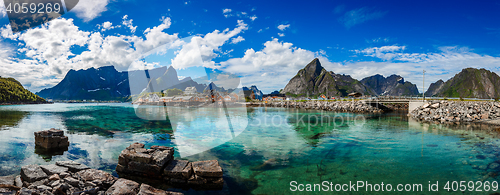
(10, 118)
(276, 146)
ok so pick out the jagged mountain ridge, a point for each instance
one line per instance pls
(469, 83)
(393, 85)
(314, 80)
(106, 83)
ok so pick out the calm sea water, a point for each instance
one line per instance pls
(265, 149)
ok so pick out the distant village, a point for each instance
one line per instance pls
(190, 96)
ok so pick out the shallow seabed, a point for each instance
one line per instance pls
(271, 148)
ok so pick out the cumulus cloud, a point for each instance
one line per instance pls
(259, 67)
(107, 26)
(206, 47)
(282, 27)
(237, 40)
(358, 16)
(49, 54)
(225, 11)
(88, 10)
(128, 23)
(281, 34)
(3, 12)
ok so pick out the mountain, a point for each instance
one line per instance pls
(106, 83)
(434, 88)
(257, 93)
(314, 80)
(393, 85)
(472, 83)
(12, 91)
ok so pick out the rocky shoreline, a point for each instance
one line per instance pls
(69, 177)
(338, 106)
(154, 166)
(458, 111)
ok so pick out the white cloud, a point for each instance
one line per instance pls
(237, 40)
(49, 55)
(225, 11)
(3, 12)
(206, 47)
(88, 10)
(282, 27)
(281, 34)
(107, 26)
(384, 52)
(128, 23)
(258, 67)
(358, 16)
(253, 17)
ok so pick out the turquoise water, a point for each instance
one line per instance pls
(271, 146)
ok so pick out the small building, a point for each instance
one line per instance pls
(190, 90)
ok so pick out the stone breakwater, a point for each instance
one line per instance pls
(457, 111)
(338, 106)
(69, 177)
(157, 165)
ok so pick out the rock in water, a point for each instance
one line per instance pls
(52, 138)
(209, 168)
(179, 169)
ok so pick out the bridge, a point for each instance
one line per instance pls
(413, 103)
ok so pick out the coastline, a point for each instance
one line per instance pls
(458, 112)
(336, 106)
(23, 103)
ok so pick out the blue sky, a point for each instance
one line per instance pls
(264, 42)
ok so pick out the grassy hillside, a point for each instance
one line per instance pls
(12, 91)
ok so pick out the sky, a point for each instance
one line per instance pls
(263, 42)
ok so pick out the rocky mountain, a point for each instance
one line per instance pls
(106, 83)
(253, 89)
(434, 88)
(393, 85)
(314, 80)
(471, 83)
(12, 91)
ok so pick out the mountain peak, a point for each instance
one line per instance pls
(314, 68)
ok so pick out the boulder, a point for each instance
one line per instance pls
(52, 138)
(8, 180)
(72, 165)
(123, 187)
(53, 169)
(209, 168)
(179, 169)
(32, 173)
(93, 175)
(136, 145)
(162, 157)
(148, 190)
